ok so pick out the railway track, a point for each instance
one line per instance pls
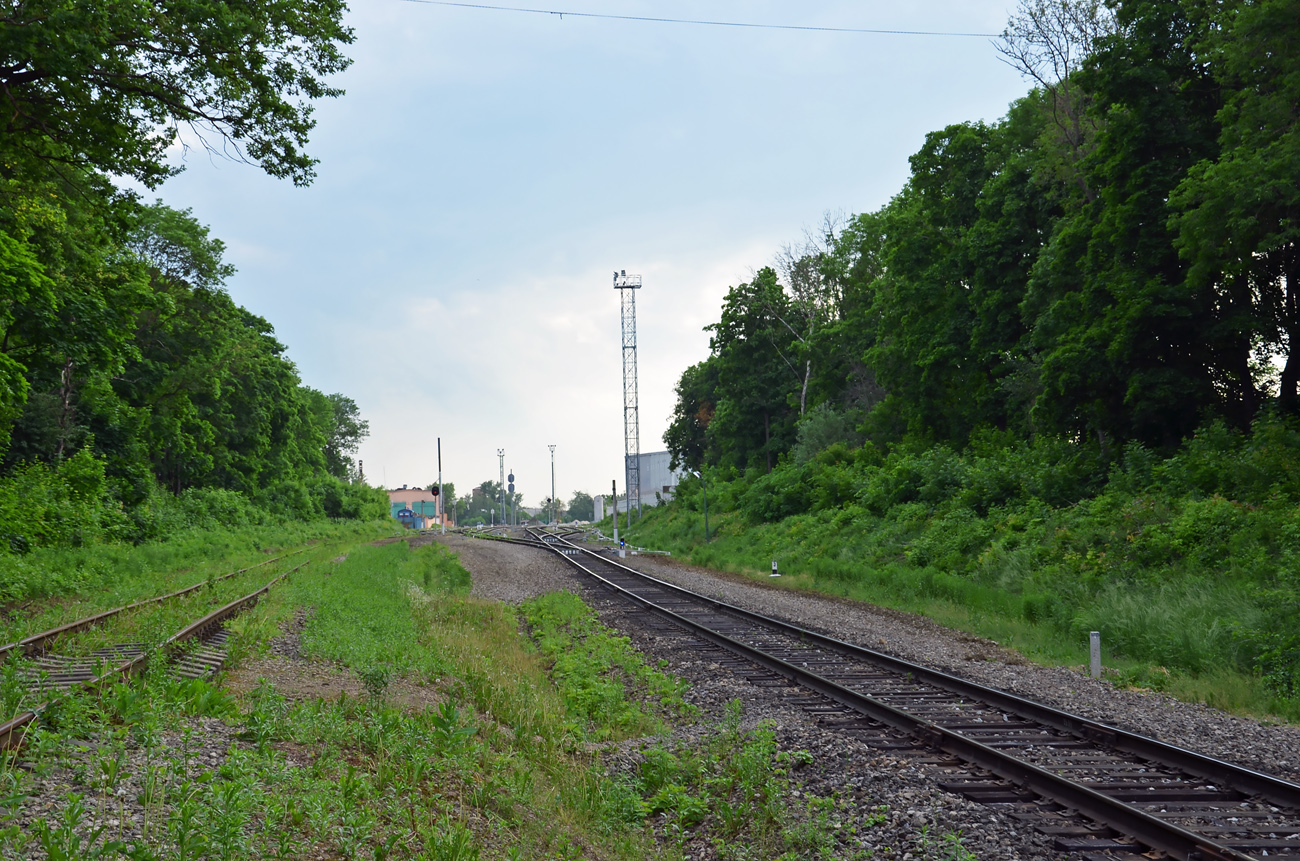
(1097, 790)
(37, 644)
(197, 650)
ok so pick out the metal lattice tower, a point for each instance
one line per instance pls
(627, 285)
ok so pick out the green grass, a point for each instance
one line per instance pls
(504, 759)
(492, 768)
(362, 606)
(732, 792)
(59, 585)
(1189, 636)
(600, 676)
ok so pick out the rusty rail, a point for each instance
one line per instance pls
(13, 732)
(37, 643)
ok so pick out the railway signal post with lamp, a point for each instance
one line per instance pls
(510, 488)
(555, 508)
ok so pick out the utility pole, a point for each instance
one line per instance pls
(442, 518)
(627, 285)
(501, 454)
(613, 495)
(555, 506)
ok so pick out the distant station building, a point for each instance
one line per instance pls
(658, 483)
(414, 507)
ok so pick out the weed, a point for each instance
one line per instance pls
(497, 767)
(449, 735)
(68, 840)
(449, 841)
(595, 668)
(187, 833)
(375, 678)
(1034, 549)
(954, 849)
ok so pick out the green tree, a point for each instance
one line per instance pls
(1121, 333)
(923, 353)
(483, 504)
(339, 419)
(759, 375)
(581, 507)
(73, 297)
(1238, 217)
(177, 247)
(686, 436)
(24, 286)
(107, 85)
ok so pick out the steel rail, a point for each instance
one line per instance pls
(1150, 830)
(508, 540)
(13, 732)
(37, 643)
(1267, 786)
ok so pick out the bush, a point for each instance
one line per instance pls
(1181, 559)
(351, 501)
(45, 505)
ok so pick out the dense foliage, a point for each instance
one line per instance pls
(126, 371)
(1126, 281)
(1059, 369)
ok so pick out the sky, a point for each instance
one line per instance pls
(450, 268)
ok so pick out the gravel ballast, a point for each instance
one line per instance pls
(849, 767)
(1271, 748)
(890, 798)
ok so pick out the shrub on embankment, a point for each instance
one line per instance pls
(63, 527)
(1189, 562)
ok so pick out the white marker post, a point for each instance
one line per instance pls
(1094, 648)
(613, 487)
(774, 573)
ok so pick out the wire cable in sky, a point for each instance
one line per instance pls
(747, 24)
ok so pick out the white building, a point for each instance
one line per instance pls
(657, 477)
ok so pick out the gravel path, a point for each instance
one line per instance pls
(507, 572)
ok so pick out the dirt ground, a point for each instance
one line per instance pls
(297, 678)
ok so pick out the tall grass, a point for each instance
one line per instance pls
(1187, 563)
(54, 585)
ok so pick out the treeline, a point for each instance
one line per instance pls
(1056, 379)
(1116, 260)
(135, 395)
(482, 505)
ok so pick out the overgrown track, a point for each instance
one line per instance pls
(195, 651)
(36, 644)
(1098, 790)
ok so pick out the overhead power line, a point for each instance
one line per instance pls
(746, 24)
